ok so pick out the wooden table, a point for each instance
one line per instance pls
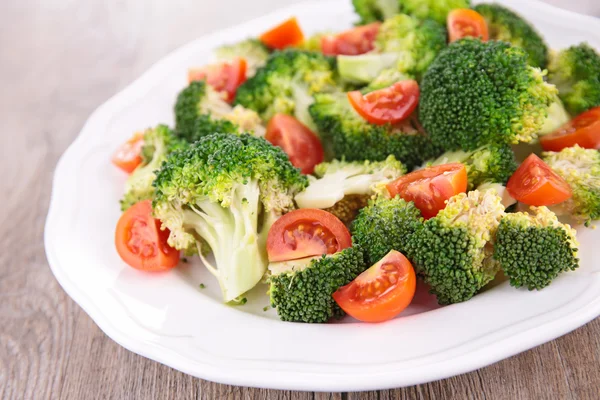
(59, 60)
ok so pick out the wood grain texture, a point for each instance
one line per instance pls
(59, 60)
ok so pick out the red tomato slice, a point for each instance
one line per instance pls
(129, 155)
(389, 105)
(584, 130)
(431, 187)
(223, 77)
(352, 42)
(286, 34)
(141, 243)
(304, 233)
(381, 292)
(301, 144)
(536, 184)
(464, 22)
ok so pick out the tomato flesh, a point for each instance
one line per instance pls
(583, 130)
(388, 105)
(430, 188)
(352, 42)
(286, 34)
(534, 183)
(141, 243)
(302, 145)
(306, 233)
(129, 155)
(224, 77)
(465, 22)
(381, 292)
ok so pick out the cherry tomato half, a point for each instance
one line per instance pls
(302, 145)
(389, 105)
(286, 34)
(583, 130)
(381, 292)
(141, 243)
(129, 155)
(352, 42)
(536, 184)
(304, 233)
(464, 22)
(430, 188)
(223, 77)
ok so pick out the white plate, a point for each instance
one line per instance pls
(168, 318)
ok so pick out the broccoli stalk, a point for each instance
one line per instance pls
(557, 117)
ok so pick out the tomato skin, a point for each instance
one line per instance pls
(431, 187)
(464, 22)
(381, 292)
(302, 145)
(129, 155)
(352, 42)
(304, 233)
(286, 34)
(389, 105)
(534, 183)
(141, 243)
(224, 77)
(583, 130)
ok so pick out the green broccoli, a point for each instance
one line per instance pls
(385, 224)
(508, 26)
(312, 43)
(200, 111)
(434, 9)
(491, 163)
(557, 117)
(403, 43)
(158, 143)
(226, 190)
(347, 135)
(287, 83)
(475, 93)
(576, 73)
(301, 290)
(252, 50)
(532, 249)
(375, 10)
(581, 169)
(453, 251)
(343, 187)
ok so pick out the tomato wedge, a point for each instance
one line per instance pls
(129, 155)
(302, 145)
(389, 105)
(430, 188)
(584, 130)
(304, 233)
(352, 42)
(223, 77)
(141, 243)
(464, 22)
(381, 292)
(536, 184)
(286, 34)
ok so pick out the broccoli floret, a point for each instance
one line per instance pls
(453, 250)
(385, 79)
(158, 143)
(312, 43)
(384, 225)
(200, 111)
(477, 92)
(343, 187)
(226, 190)
(576, 73)
(581, 169)
(375, 10)
(507, 200)
(557, 117)
(508, 26)
(533, 249)
(301, 290)
(491, 163)
(287, 83)
(252, 50)
(347, 135)
(435, 9)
